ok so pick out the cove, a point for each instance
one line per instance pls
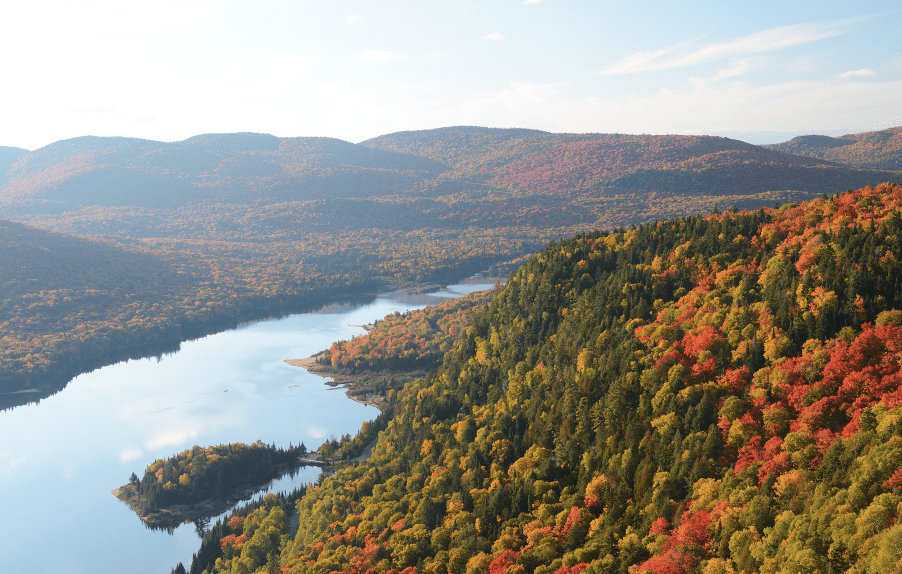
(61, 457)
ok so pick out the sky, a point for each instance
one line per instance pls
(762, 71)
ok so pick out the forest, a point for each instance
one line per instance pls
(877, 150)
(200, 483)
(154, 243)
(408, 341)
(715, 394)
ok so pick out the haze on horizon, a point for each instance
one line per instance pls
(761, 72)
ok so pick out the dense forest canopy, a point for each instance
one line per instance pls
(713, 394)
(201, 475)
(408, 341)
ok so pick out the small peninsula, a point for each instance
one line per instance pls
(199, 483)
(396, 350)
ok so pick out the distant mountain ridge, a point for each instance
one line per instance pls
(261, 169)
(876, 150)
(533, 160)
(234, 168)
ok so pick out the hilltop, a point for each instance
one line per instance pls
(874, 150)
(239, 168)
(617, 164)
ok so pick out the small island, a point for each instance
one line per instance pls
(202, 482)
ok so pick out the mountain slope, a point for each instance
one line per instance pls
(876, 150)
(236, 168)
(9, 156)
(65, 300)
(69, 304)
(615, 164)
(711, 394)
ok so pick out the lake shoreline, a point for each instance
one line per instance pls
(174, 515)
(354, 381)
(342, 380)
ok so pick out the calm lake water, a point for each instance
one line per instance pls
(60, 459)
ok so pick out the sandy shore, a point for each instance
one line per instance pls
(301, 362)
(305, 363)
(339, 380)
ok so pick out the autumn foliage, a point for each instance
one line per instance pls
(714, 394)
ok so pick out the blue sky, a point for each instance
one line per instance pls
(758, 71)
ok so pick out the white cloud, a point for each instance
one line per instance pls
(129, 454)
(494, 36)
(531, 1)
(856, 73)
(376, 56)
(737, 68)
(765, 41)
(354, 19)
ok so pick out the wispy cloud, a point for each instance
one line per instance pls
(531, 1)
(708, 107)
(679, 55)
(737, 68)
(376, 56)
(129, 454)
(856, 73)
(494, 36)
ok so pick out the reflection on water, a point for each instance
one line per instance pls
(60, 458)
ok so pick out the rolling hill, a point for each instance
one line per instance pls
(874, 150)
(615, 164)
(454, 164)
(233, 168)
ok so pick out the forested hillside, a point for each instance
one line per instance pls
(618, 164)
(70, 304)
(714, 394)
(408, 341)
(875, 150)
(8, 156)
(251, 224)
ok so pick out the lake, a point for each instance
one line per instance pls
(60, 458)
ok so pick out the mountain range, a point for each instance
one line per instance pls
(260, 169)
